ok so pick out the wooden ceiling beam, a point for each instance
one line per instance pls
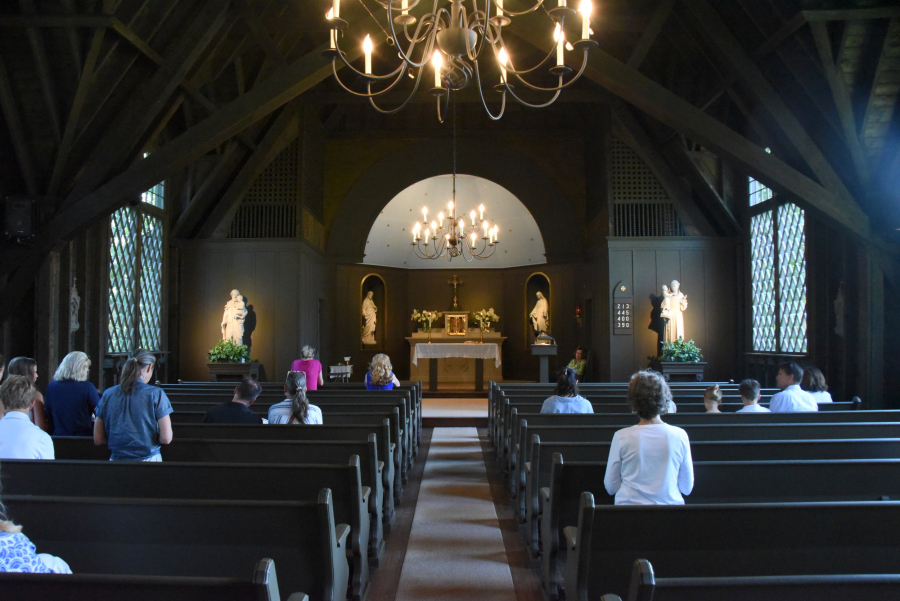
(672, 110)
(282, 131)
(17, 132)
(853, 14)
(121, 141)
(883, 97)
(260, 33)
(228, 163)
(841, 98)
(72, 36)
(651, 32)
(45, 75)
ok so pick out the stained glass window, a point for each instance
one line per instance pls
(758, 192)
(135, 275)
(762, 275)
(792, 278)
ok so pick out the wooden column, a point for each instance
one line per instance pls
(47, 307)
(871, 331)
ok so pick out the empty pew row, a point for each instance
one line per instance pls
(100, 587)
(269, 452)
(732, 482)
(192, 538)
(777, 539)
(734, 432)
(646, 585)
(211, 481)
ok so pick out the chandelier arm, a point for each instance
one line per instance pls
(426, 23)
(539, 105)
(446, 105)
(399, 71)
(412, 4)
(484, 102)
(511, 68)
(405, 102)
(510, 13)
(561, 86)
(433, 33)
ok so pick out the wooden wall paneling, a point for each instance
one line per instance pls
(287, 305)
(621, 347)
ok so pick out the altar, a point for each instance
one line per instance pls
(456, 359)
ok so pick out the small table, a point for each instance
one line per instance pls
(340, 373)
(544, 351)
(479, 351)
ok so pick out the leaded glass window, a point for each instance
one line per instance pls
(777, 272)
(135, 274)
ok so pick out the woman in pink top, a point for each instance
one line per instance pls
(310, 366)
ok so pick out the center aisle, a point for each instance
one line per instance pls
(455, 547)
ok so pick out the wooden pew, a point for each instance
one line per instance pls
(386, 449)
(188, 450)
(722, 482)
(100, 587)
(697, 433)
(234, 481)
(872, 587)
(192, 538)
(772, 539)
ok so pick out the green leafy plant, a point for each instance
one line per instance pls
(681, 350)
(485, 317)
(226, 350)
(425, 318)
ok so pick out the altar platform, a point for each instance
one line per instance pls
(461, 360)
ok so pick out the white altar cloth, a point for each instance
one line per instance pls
(456, 349)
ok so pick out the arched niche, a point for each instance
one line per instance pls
(536, 282)
(520, 175)
(375, 284)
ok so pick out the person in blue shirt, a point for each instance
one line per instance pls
(70, 401)
(133, 417)
(566, 399)
(380, 375)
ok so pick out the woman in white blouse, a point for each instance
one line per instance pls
(296, 408)
(650, 463)
(813, 382)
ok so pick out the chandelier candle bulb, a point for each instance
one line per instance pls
(437, 60)
(337, 9)
(331, 32)
(499, 8)
(404, 6)
(472, 215)
(367, 48)
(434, 225)
(503, 57)
(585, 10)
(481, 210)
(485, 225)
(562, 3)
(427, 232)
(560, 38)
(440, 219)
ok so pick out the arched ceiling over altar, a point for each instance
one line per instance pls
(389, 242)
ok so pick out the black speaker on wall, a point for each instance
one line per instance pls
(19, 214)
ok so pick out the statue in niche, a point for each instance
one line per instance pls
(233, 318)
(540, 315)
(673, 304)
(74, 306)
(368, 312)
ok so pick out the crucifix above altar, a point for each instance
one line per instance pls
(455, 283)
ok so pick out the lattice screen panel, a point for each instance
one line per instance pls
(122, 250)
(313, 230)
(762, 277)
(269, 209)
(792, 278)
(641, 206)
(151, 282)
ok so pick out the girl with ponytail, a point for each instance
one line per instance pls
(133, 417)
(295, 409)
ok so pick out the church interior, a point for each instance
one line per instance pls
(723, 172)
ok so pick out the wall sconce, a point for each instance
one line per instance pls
(578, 313)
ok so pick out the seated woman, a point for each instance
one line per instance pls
(26, 366)
(578, 363)
(566, 399)
(133, 417)
(17, 553)
(813, 382)
(380, 375)
(295, 409)
(712, 399)
(71, 400)
(310, 366)
(650, 463)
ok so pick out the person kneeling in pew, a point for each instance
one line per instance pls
(237, 410)
(749, 390)
(650, 463)
(296, 408)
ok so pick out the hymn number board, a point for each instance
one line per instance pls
(623, 311)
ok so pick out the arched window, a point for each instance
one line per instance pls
(777, 272)
(135, 274)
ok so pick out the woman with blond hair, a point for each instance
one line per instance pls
(71, 400)
(18, 554)
(380, 375)
(309, 365)
(712, 399)
(295, 408)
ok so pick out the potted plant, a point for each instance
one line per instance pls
(484, 319)
(425, 318)
(679, 358)
(228, 360)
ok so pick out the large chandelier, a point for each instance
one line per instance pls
(455, 42)
(473, 240)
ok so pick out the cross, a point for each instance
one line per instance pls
(455, 283)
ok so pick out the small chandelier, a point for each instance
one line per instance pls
(454, 41)
(456, 239)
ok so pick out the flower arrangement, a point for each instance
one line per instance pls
(679, 350)
(485, 317)
(425, 318)
(226, 350)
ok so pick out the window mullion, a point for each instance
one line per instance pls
(776, 263)
(136, 319)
